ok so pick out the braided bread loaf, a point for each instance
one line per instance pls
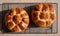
(43, 15)
(17, 20)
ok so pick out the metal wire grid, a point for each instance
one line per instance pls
(32, 28)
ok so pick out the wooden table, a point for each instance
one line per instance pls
(34, 1)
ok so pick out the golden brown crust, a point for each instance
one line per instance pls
(43, 15)
(15, 17)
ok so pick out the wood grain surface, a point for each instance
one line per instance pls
(34, 1)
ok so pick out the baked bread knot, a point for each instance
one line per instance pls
(17, 19)
(43, 15)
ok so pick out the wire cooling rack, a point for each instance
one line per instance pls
(32, 28)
